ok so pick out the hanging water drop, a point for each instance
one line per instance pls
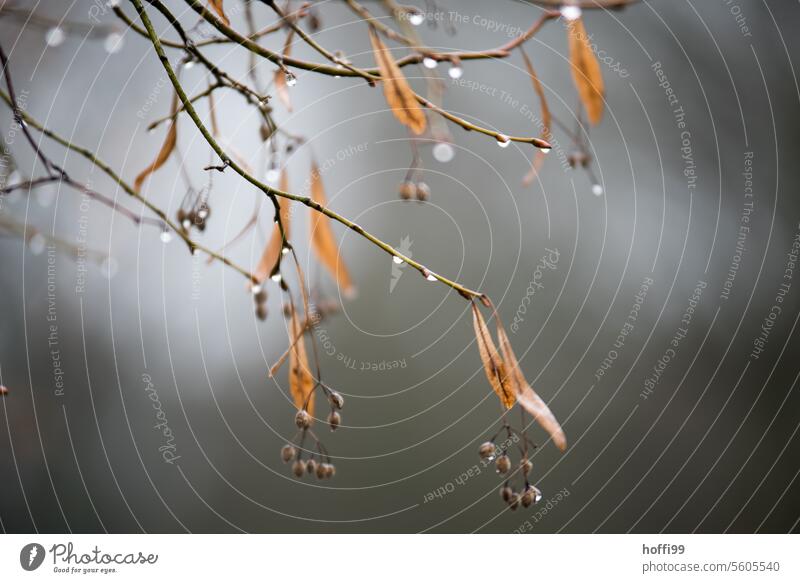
(113, 43)
(416, 18)
(165, 236)
(291, 80)
(397, 260)
(186, 224)
(597, 190)
(571, 12)
(276, 277)
(54, 36)
(430, 277)
(273, 175)
(255, 289)
(545, 150)
(430, 62)
(503, 140)
(36, 243)
(284, 250)
(443, 152)
(537, 495)
(455, 72)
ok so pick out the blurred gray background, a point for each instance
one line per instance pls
(713, 447)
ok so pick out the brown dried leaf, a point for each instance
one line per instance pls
(282, 90)
(301, 381)
(526, 396)
(399, 95)
(166, 150)
(585, 70)
(546, 117)
(493, 364)
(272, 251)
(217, 6)
(322, 240)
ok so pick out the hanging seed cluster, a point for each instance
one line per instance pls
(526, 494)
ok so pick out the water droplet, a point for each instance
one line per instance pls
(416, 18)
(537, 495)
(397, 260)
(255, 289)
(545, 150)
(571, 12)
(109, 267)
(291, 80)
(188, 64)
(276, 277)
(54, 36)
(36, 243)
(273, 175)
(431, 277)
(186, 224)
(503, 141)
(165, 236)
(597, 190)
(284, 250)
(455, 72)
(202, 213)
(112, 3)
(429, 62)
(113, 43)
(443, 152)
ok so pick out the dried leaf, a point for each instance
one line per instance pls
(281, 87)
(166, 150)
(272, 251)
(301, 381)
(282, 90)
(526, 396)
(322, 240)
(399, 95)
(539, 157)
(217, 6)
(585, 70)
(492, 362)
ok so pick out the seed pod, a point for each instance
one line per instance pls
(287, 453)
(527, 497)
(526, 466)
(514, 502)
(180, 216)
(506, 493)
(336, 399)
(486, 450)
(321, 470)
(299, 468)
(261, 312)
(423, 191)
(334, 420)
(503, 464)
(407, 190)
(302, 419)
(311, 467)
(330, 471)
(260, 297)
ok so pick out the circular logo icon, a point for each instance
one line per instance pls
(31, 556)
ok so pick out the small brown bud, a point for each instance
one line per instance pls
(287, 453)
(321, 470)
(506, 493)
(336, 399)
(181, 216)
(407, 190)
(299, 468)
(527, 497)
(261, 296)
(334, 420)
(330, 470)
(526, 466)
(514, 502)
(311, 467)
(302, 419)
(423, 191)
(486, 450)
(261, 312)
(503, 464)
(3, 390)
